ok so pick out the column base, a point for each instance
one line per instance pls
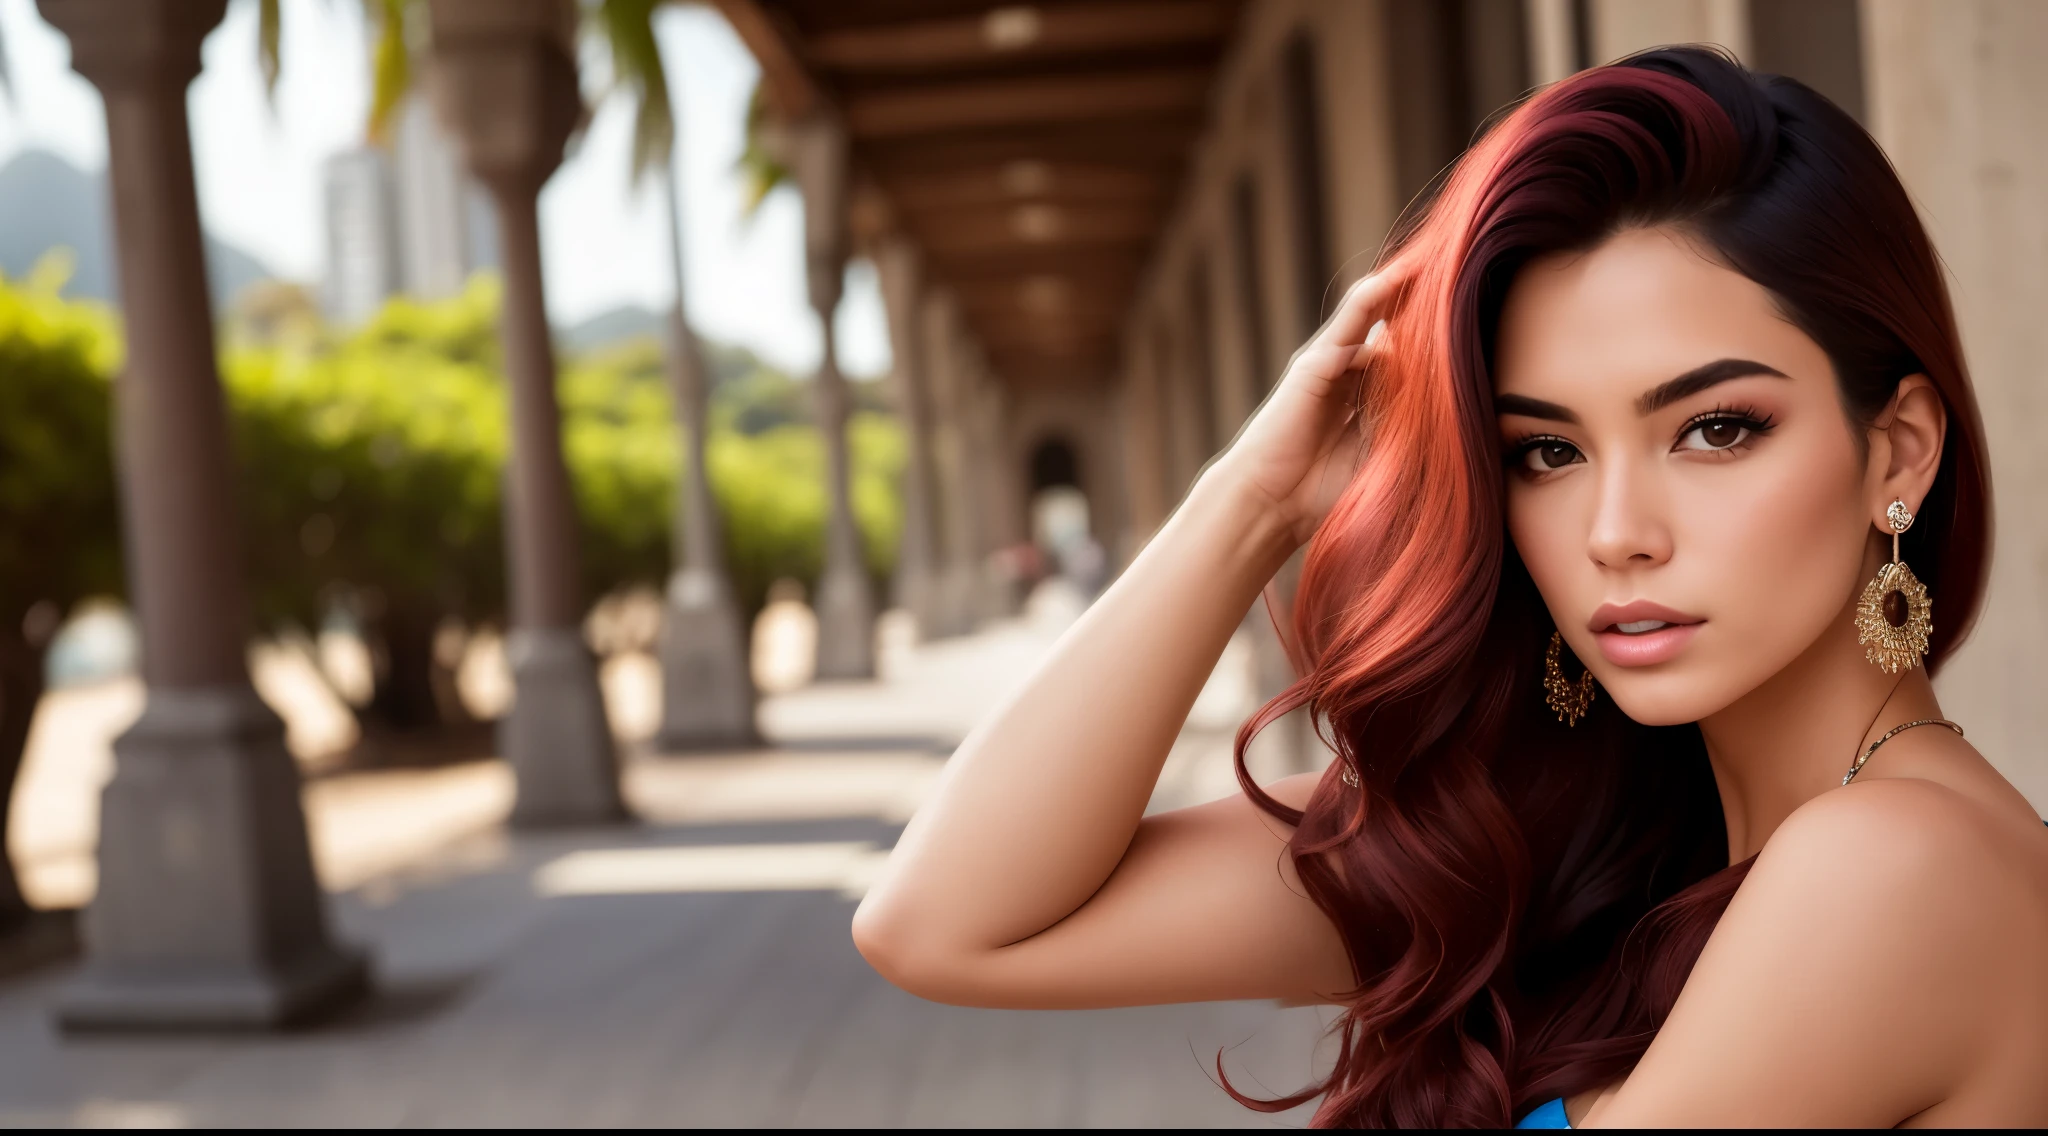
(176, 997)
(959, 602)
(707, 692)
(846, 625)
(557, 736)
(917, 592)
(999, 595)
(208, 915)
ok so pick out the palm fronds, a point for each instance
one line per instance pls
(627, 30)
(759, 168)
(390, 62)
(267, 38)
(6, 82)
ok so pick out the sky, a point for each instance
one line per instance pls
(603, 243)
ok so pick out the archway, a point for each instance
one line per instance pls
(1061, 526)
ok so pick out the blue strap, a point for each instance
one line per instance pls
(1549, 1115)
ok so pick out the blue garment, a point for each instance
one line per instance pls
(1546, 1116)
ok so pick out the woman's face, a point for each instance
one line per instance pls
(1682, 480)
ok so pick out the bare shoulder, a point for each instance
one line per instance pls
(1911, 860)
(1294, 791)
(1879, 961)
(1899, 841)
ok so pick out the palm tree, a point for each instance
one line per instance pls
(707, 686)
(708, 696)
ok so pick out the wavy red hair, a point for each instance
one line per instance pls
(1522, 904)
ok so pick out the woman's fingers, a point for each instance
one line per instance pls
(1363, 304)
(1374, 336)
(1326, 360)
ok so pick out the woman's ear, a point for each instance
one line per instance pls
(1906, 443)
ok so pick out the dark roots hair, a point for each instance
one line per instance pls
(1522, 906)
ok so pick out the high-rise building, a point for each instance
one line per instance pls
(406, 219)
(362, 249)
(444, 226)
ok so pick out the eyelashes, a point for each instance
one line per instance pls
(1724, 430)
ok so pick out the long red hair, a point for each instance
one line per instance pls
(1521, 903)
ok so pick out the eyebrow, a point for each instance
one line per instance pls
(1649, 402)
(1700, 378)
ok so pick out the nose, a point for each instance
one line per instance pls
(1629, 528)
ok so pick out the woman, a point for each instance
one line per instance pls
(1643, 810)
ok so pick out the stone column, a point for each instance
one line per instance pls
(208, 913)
(504, 77)
(1145, 442)
(917, 583)
(960, 562)
(1622, 26)
(1239, 388)
(1959, 99)
(997, 489)
(707, 690)
(815, 150)
(1553, 39)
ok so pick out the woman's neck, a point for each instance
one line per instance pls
(1791, 739)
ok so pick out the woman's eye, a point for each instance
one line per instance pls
(1544, 456)
(1715, 434)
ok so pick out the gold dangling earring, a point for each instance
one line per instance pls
(1570, 699)
(1895, 617)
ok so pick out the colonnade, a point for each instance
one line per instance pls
(960, 506)
(208, 912)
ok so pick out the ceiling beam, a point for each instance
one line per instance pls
(1028, 179)
(1157, 147)
(1012, 265)
(984, 235)
(1035, 100)
(1031, 32)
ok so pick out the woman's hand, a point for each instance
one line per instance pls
(1033, 876)
(1298, 451)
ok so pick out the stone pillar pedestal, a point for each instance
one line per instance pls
(707, 685)
(707, 691)
(208, 914)
(504, 78)
(557, 737)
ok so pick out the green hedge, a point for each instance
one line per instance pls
(371, 463)
(59, 514)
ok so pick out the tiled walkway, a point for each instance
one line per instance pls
(694, 968)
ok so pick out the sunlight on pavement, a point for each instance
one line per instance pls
(872, 750)
(845, 867)
(778, 785)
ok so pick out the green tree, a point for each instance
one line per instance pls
(58, 507)
(369, 475)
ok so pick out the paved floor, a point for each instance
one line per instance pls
(694, 968)
(503, 1004)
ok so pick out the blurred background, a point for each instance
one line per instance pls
(507, 505)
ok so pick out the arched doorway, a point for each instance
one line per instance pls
(1060, 517)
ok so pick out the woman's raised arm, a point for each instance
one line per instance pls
(1032, 877)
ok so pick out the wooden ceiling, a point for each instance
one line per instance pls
(1030, 151)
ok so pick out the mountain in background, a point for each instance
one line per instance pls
(46, 202)
(613, 327)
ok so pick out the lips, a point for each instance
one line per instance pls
(1641, 633)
